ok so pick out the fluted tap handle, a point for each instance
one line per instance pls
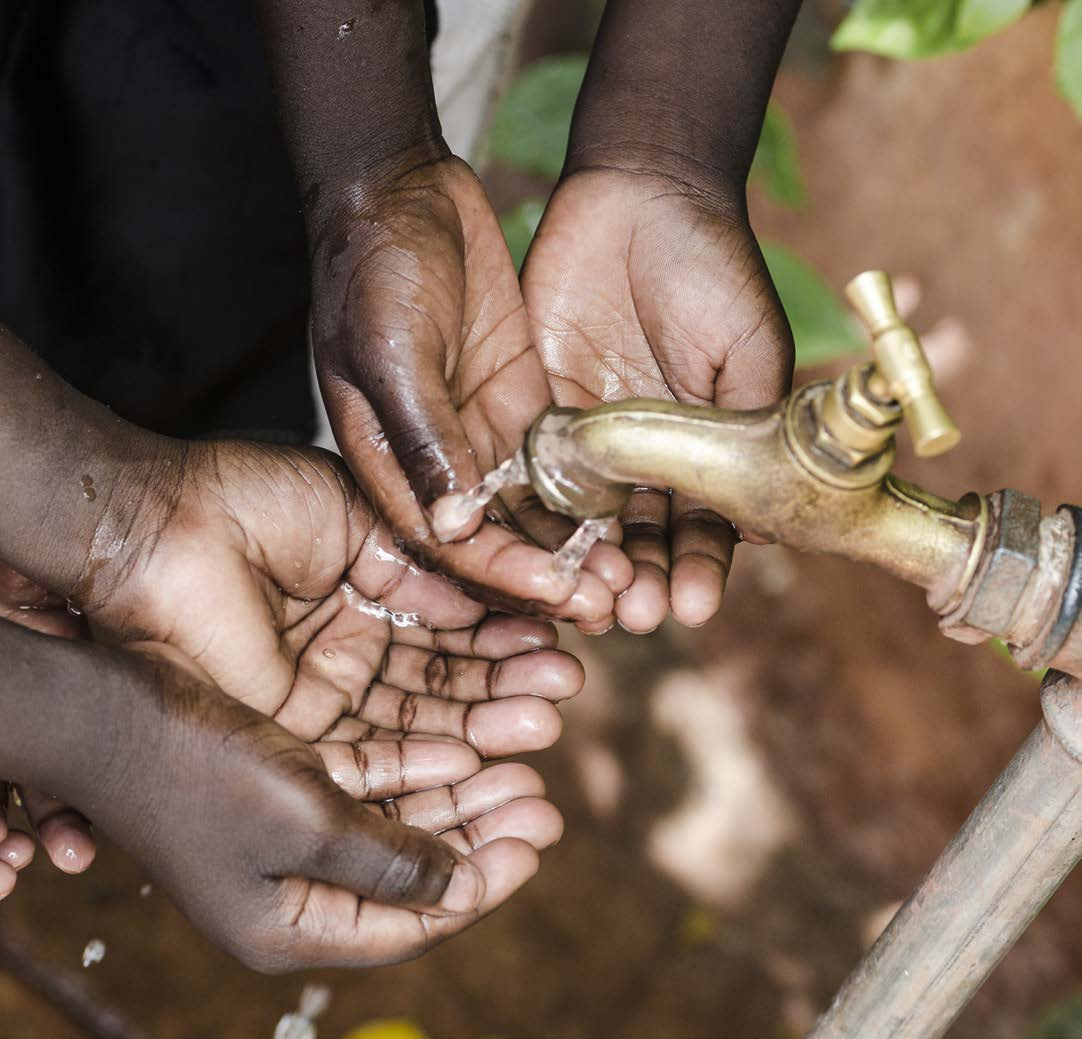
(900, 360)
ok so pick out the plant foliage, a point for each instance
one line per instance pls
(923, 28)
(531, 125)
(776, 164)
(822, 329)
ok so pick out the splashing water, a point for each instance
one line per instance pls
(454, 511)
(569, 559)
(359, 603)
(94, 952)
(314, 1001)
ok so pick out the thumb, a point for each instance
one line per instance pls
(412, 406)
(390, 862)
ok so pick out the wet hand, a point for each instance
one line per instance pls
(239, 822)
(637, 286)
(430, 381)
(268, 569)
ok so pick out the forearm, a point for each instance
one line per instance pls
(680, 87)
(355, 92)
(73, 476)
(63, 708)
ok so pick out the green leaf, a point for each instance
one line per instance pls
(822, 328)
(519, 226)
(1069, 54)
(980, 18)
(923, 28)
(776, 162)
(530, 128)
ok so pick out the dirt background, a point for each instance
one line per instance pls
(836, 739)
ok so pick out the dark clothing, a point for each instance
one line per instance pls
(151, 241)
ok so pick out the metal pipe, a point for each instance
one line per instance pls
(1009, 857)
(763, 471)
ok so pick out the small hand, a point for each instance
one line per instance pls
(637, 286)
(268, 569)
(239, 822)
(64, 833)
(430, 381)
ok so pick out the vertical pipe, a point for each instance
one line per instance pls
(993, 878)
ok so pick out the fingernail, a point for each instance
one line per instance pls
(452, 514)
(465, 890)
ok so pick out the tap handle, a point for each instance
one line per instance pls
(900, 360)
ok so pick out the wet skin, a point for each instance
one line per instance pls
(239, 821)
(644, 278)
(268, 572)
(418, 327)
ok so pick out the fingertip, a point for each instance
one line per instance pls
(68, 842)
(697, 587)
(645, 604)
(611, 565)
(507, 864)
(454, 517)
(516, 725)
(546, 673)
(17, 850)
(464, 891)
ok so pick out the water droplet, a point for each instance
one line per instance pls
(319, 541)
(329, 654)
(454, 511)
(568, 560)
(145, 890)
(88, 488)
(94, 952)
(346, 28)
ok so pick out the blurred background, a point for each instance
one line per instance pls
(746, 804)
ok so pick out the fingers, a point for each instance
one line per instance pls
(448, 807)
(498, 636)
(380, 859)
(702, 555)
(335, 930)
(546, 673)
(374, 770)
(645, 521)
(63, 832)
(516, 725)
(550, 530)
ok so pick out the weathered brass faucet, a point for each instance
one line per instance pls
(813, 472)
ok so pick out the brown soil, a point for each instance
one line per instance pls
(875, 734)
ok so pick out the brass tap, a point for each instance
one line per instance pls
(812, 472)
(903, 372)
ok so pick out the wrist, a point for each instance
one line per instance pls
(75, 477)
(67, 709)
(356, 192)
(669, 167)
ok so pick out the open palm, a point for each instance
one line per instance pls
(637, 287)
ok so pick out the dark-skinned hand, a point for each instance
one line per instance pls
(267, 568)
(430, 380)
(640, 286)
(240, 823)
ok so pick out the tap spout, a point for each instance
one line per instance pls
(768, 472)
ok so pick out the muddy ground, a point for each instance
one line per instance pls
(838, 738)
